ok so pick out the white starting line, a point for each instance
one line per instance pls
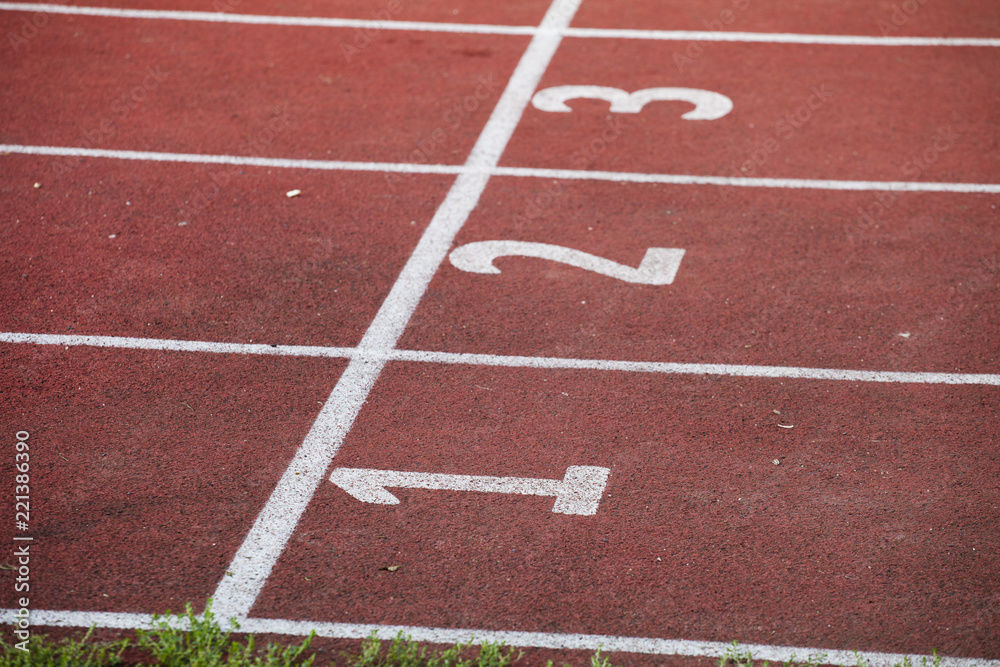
(513, 638)
(517, 172)
(508, 361)
(489, 29)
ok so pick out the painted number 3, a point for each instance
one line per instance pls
(708, 105)
(658, 267)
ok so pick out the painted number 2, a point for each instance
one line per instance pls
(658, 267)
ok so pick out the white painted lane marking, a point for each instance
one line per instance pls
(493, 29)
(253, 562)
(793, 372)
(708, 105)
(196, 158)
(727, 181)
(732, 370)
(658, 267)
(777, 38)
(176, 345)
(260, 19)
(579, 492)
(516, 172)
(553, 640)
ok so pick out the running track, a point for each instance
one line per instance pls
(799, 429)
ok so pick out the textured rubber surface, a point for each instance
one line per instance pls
(147, 468)
(523, 12)
(964, 18)
(784, 512)
(773, 277)
(872, 532)
(193, 87)
(800, 111)
(204, 252)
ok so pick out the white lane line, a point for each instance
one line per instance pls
(549, 640)
(196, 158)
(510, 361)
(492, 29)
(732, 370)
(257, 19)
(256, 557)
(778, 37)
(516, 172)
(734, 181)
(176, 345)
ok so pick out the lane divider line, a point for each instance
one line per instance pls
(493, 29)
(516, 172)
(743, 182)
(251, 566)
(195, 158)
(266, 19)
(509, 361)
(546, 640)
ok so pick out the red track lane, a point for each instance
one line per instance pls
(774, 277)
(874, 532)
(960, 18)
(251, 90)
(148, 468)
(249, 264)
(522, 12)
(800, 111)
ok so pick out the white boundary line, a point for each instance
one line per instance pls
(257, 19)
(196, 158)
(484, 29)
(516, 172)
(509, 361)
(793, 183)
(778, 38)
(256, 557)
(548, 640)
(176, 345)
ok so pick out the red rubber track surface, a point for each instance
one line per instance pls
(800, 111)
(148, 468)
(204, 252)
(219, 89)
(773, 277)
(876, 528)
(873, 532)
(961, 18)
(522, 12)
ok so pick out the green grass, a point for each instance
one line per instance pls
(735, 656)
(187, 640)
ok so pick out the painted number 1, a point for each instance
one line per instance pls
(658, 267)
